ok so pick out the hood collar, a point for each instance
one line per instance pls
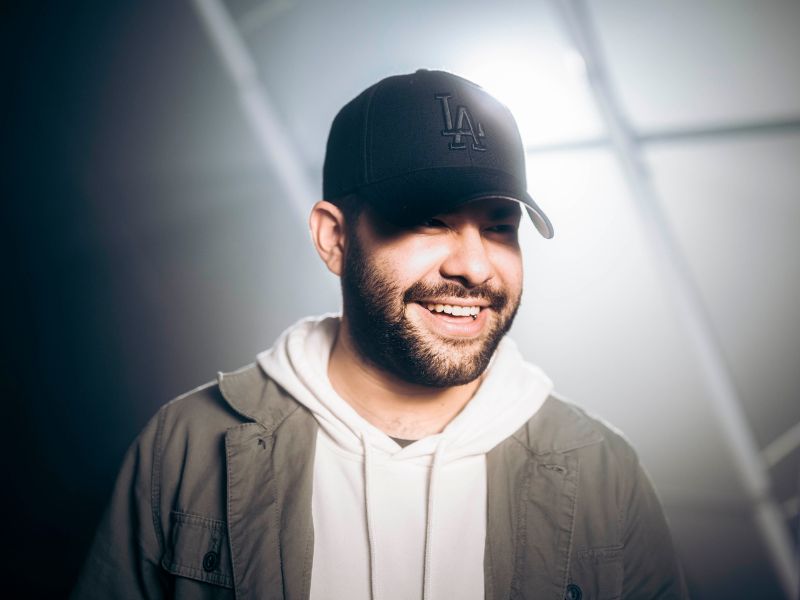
(557, 427)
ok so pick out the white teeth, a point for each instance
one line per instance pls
(456, 311)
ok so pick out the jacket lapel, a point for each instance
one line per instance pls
(293, 465)
(506, 475)
(253, 513)
(532, 487)
(270, 475)
(544, 538)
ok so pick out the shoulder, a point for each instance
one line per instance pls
(191, 428)
(562, 426)
(605, 457)
(203, 408)
(189, 438)
(244, 395)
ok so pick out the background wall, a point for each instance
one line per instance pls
(151, 241)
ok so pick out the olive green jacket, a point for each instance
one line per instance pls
(214, 501)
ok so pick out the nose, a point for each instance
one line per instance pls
(468, 260)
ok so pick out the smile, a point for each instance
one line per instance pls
(454, 320)
(456, 311)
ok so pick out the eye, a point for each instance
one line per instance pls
(503, 228)
(432, 224)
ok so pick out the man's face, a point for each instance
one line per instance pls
(431, 303)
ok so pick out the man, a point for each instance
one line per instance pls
(404, 449)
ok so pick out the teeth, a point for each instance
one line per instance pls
(456, 311)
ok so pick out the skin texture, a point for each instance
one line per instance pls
(404, 369)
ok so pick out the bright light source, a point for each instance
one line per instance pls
(544, 86)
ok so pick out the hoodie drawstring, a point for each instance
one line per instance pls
(428, 571)
(373, 577)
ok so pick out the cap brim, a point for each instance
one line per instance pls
(415, 196)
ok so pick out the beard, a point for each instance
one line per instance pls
(374, 306)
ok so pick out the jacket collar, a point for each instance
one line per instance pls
(558, 427)
(256, 397)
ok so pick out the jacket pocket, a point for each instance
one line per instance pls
(198, 549)
(596, 573)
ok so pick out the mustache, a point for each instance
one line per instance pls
(421, 290)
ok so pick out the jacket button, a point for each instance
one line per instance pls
(574, 592)
(210, 561)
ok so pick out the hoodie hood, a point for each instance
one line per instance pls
(374, 481)
(510, 394)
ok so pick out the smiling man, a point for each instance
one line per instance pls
(404, 449)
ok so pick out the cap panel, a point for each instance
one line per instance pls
(406, 126)
(433, 119)
(345, 153)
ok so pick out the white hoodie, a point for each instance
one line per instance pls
(391, 522)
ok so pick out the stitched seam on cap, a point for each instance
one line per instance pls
(368, 136)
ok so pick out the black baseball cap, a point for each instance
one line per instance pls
(417, 145)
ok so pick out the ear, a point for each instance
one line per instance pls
(327, 232)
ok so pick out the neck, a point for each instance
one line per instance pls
(398, 408)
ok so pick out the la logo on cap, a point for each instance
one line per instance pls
(463, 126)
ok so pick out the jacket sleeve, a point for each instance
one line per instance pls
(651, 567)
(123, 561)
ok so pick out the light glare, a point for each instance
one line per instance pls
(544, 87)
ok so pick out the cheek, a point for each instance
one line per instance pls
(509, 267)
(413, 262)
(424, 260)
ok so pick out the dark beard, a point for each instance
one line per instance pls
(385, 338)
